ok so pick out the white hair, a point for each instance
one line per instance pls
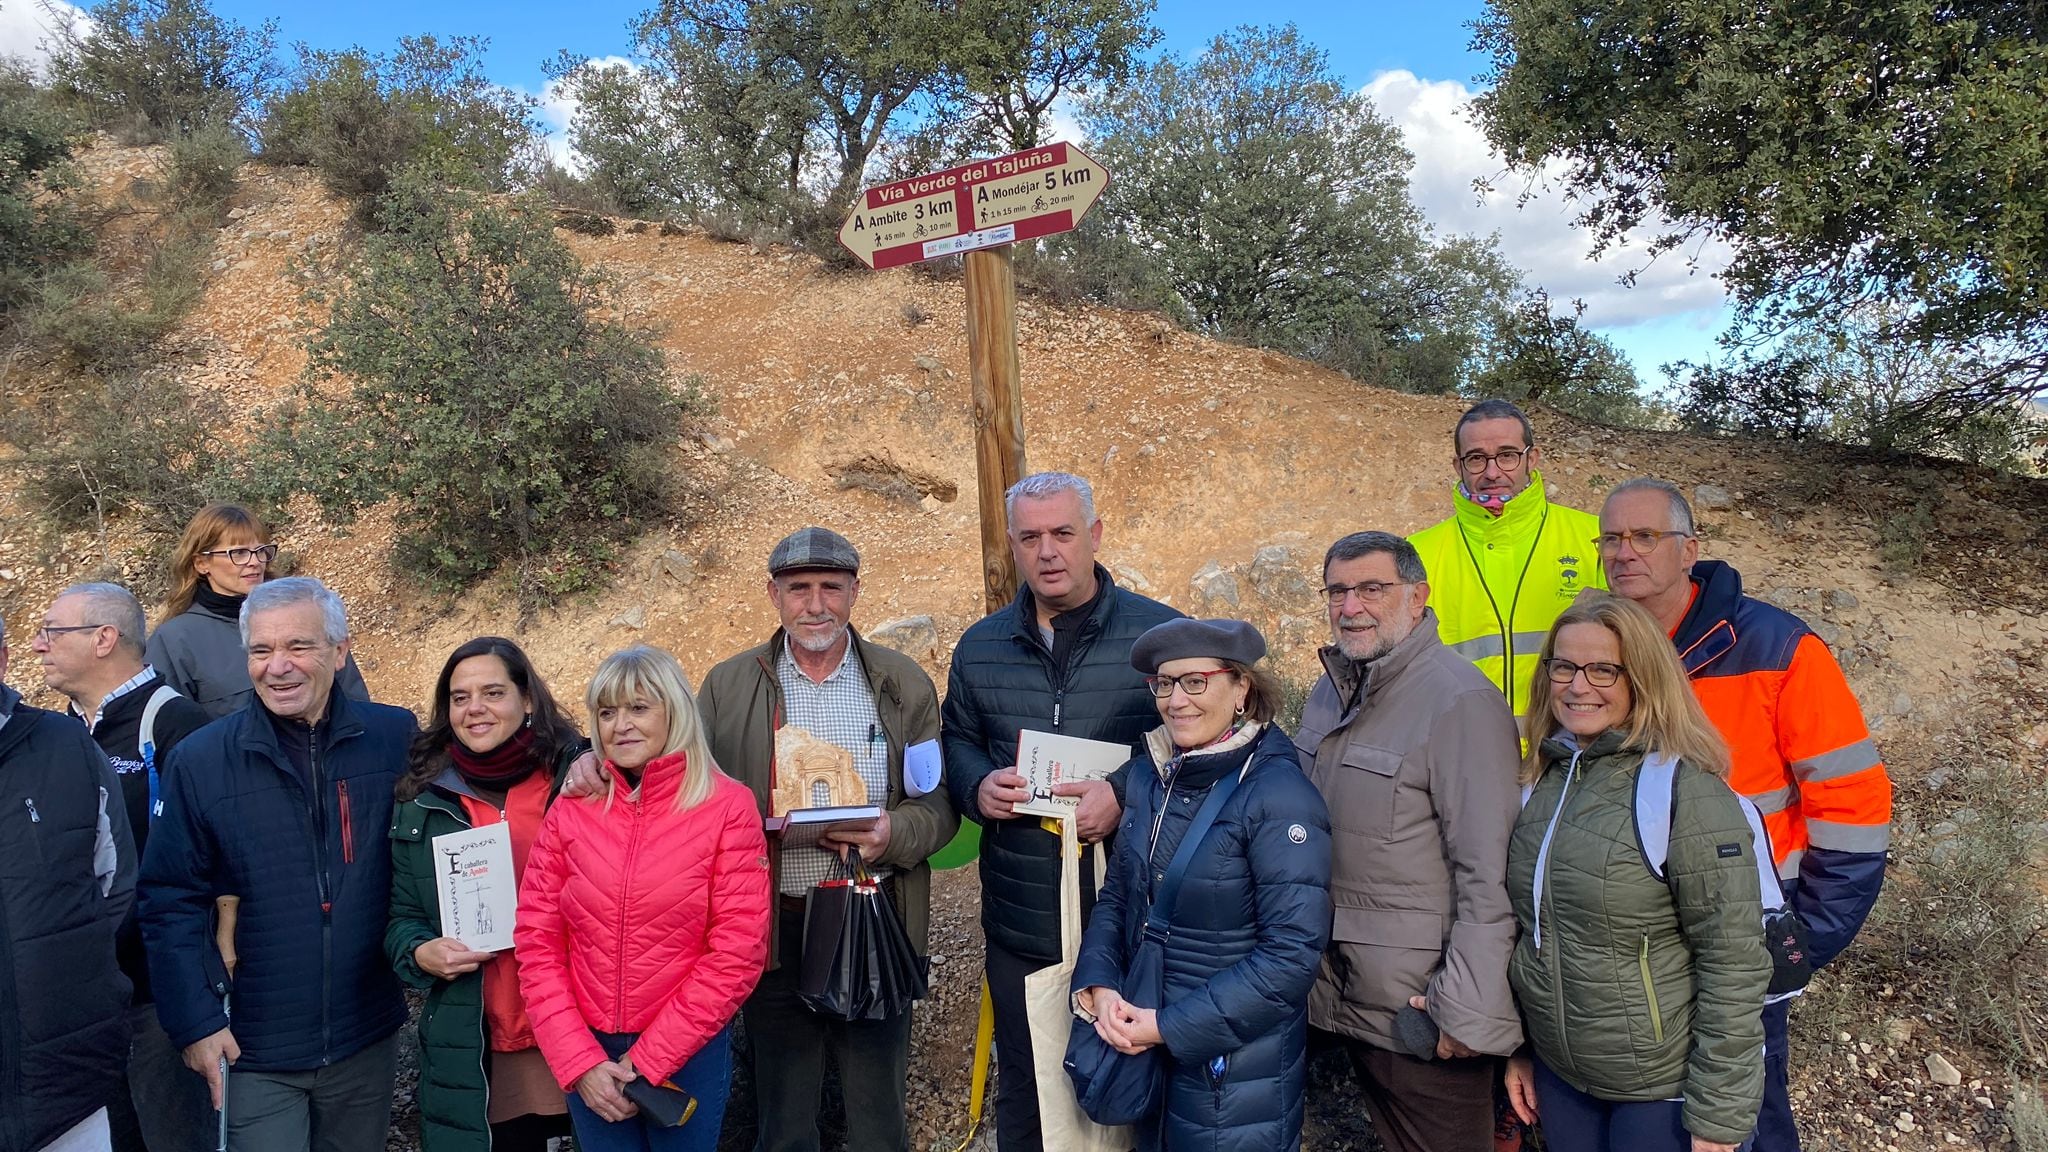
(1681, 509)
(297, 590)
(1044, 486)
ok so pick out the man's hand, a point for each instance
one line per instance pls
(1096, 818)
(204, 1057)
(1521, 1083)
(1000, 793)
(1702, 1144)
(599, 1088)
(872, 843)
(445, 958)
(585, 778)
(1447, 1047)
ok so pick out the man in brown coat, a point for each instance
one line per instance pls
(1415, 752)
(816, 673)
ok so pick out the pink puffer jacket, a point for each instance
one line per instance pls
(639, 918)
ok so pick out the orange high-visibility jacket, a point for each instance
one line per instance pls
(1801, 751)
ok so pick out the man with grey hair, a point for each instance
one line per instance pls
(1058, 659)
(284, 804)
(90, 647)
(1415, 753)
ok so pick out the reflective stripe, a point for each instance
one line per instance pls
(1776, 800)
(1843, 761)
(1848, 837)
(1489, 646)
(1789, 870)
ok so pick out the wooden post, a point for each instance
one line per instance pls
(998, 409)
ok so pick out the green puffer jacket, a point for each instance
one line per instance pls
(454, 1098)
(1631, 989)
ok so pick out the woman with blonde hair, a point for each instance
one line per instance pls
(197, 645)
(643, 916)
(1642, 994)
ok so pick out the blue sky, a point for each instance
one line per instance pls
(1413, 58)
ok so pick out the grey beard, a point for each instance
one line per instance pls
(815, 643)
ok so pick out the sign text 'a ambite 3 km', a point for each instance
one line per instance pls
(1038, 192)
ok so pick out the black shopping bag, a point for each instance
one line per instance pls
(857, 961)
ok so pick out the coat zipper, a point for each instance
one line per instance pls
(34, 817)
(319, 814)
(1650, 989)
(348, 827)
(625, 898)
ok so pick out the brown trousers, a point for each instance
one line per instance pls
(1426, 1105)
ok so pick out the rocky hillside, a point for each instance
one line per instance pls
(1221, 472)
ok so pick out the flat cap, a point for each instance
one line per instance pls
(1186, 639)
(813, 548)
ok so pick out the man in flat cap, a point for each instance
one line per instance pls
(816, 673)
(1415, 752)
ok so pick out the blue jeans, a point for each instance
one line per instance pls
(708, 1077)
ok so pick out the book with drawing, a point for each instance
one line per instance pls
(474, 881)
(1046, 759)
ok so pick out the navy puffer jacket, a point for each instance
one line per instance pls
(1003, 681)
(311, 861)
(1248, 933)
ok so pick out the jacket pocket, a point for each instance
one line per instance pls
(1650, 990)
(1364, 805)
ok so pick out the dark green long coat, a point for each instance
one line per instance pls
(453, 1095)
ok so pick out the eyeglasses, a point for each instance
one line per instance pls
(1192, 683)
(1642, 541)
(1598, 674)
(45, 632)
(1474, 463)
(1369, 591)
(243, 554)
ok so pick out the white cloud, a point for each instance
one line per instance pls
(1538, 236)
(558, 112)
(27, 28)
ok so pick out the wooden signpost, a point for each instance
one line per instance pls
(982, 209)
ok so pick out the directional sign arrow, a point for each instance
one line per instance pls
(1041, 191)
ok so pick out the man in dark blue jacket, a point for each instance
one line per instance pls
(1057, 660)
(284, 805)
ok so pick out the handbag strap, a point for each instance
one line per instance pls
(1070, 891)
(1158, 919)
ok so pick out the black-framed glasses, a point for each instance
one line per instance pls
(1475, 462)
(1192, 683)
(1599, 673)
(46, 631)
(1369, 591)
(243, 553)
(1642, 541)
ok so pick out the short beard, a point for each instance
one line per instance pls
(816, 643)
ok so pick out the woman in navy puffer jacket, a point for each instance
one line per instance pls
(1253, 915)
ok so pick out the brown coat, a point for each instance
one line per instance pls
(741, 702)
(1418, 771)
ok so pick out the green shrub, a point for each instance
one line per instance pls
(200, 171)
(38, 229)
(162, 69)
(467, 373)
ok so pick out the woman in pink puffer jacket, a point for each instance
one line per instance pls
(643, 915)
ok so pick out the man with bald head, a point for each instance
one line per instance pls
(1801, 751)
(90, 648)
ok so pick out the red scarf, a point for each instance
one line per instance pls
(501, 767)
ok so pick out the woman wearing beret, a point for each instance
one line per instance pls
(1252, 912)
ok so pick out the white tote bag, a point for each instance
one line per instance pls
(1048, 999)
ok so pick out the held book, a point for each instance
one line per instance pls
(803, 827)
(473, 878)
(1046, 759)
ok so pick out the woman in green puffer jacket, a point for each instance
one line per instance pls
(1642, 998)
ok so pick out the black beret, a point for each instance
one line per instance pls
(1185, 639)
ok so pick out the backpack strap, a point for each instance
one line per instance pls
(1656, 795)
(1767, 883)
(1157, 921)
(145, 741)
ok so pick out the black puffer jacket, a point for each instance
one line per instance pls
(63, 1000)
(1003, 681)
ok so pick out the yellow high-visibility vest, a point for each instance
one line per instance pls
(1499, 582)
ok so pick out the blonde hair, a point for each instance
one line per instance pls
(647, 673)
(1663, 716)
(207, 529)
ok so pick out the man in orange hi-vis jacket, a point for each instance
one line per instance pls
(1801, 750)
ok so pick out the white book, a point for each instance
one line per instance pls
(473, 877)
(1046, 759)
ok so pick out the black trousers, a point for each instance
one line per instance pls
(1017, 1128)
(790, 1044)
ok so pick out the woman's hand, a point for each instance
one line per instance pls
(1085, 999)
(445, 958)
(1122, 1025)
(1521, 1081)
(1141, 1025)
(1702, 1144)
(599, 1088)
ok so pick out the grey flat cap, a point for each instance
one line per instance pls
(1186, 639)
(813, 548)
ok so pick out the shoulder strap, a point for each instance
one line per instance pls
(1766, 859)
(1169, 887)
(1656, 793)
(145, 737)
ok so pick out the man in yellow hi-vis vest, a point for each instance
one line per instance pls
(1508, 560)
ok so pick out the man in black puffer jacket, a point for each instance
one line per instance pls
(1056, 660)
(67, 876)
